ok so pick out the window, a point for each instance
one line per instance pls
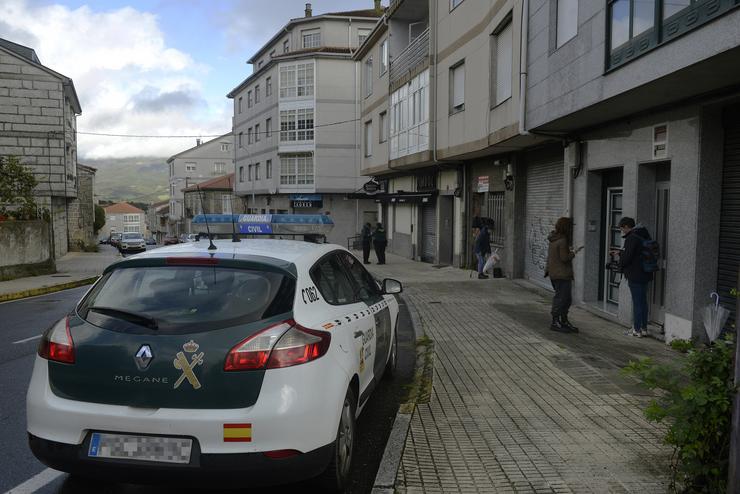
(190, 167)
(241, 139)
(257, 133)
(674, 6)
(362, 35)
(249, 173)
(131, 228)
(330, 277)
(240, 103)
(249, 99)
(218, 168)
(383, 56)
(249, 135)
(241, 174)
(296, 125)
(286, 46)
(226, 203)
(409, 117)
(455, 3)
(130, 218)
(369, 138)
(259, 65)
(257, 93)
(457, 87)
(311, 39)
(368, 290)
(383, 126)
(268, 86)
(630, 18)
(296, 80)
(369, 76)
(296, 169)
(224, 147)
(567, 21)
(268, 169)
(257, 171)
(268, 128)
(502, 51)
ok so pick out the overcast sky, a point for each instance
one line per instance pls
(151, 67)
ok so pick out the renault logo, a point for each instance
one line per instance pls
(143, 357)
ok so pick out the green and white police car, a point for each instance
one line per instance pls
(249, 362)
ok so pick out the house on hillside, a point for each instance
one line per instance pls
(122, 217)
(215, 196)
(198, 164)
(38, 114)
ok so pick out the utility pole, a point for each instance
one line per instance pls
(733, 483)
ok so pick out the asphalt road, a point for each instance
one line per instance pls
(23, 321)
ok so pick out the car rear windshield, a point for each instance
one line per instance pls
(183, 299)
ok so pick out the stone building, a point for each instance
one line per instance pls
(82, 210)
(38, 115)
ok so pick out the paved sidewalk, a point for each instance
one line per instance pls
(516, 407)
(74, 269)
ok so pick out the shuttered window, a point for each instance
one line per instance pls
(457, 87)
(503, 64)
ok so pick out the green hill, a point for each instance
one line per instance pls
(132, 179)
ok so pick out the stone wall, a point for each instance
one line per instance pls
(26, 249)
(82, 211)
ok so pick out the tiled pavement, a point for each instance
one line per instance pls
(518, 408)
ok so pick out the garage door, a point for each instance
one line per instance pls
(429, 231)
(729, 230)
(544, 207)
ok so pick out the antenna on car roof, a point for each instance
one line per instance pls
(234, 236)
(212, 246)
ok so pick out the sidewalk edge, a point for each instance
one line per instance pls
(34, 292)
(385, 479)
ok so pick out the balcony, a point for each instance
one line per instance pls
(414, 55)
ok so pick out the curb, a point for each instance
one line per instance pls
(385, 479)
(35, 292)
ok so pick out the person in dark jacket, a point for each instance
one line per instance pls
(379, 242)
(482, 249)
(560, 256)
(367, 237)
(630, 263)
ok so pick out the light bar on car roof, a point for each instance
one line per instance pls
(266, 224)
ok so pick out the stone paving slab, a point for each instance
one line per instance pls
(518, 408)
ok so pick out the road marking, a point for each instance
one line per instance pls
(28, 339)
(36, 482)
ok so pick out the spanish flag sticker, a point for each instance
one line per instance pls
(237, 433)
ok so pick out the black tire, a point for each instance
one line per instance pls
(391, 367)
(336, 476)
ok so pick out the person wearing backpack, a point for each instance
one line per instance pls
(637, 261)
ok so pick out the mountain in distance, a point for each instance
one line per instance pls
(130, 179)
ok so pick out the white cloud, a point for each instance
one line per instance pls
(128, 80)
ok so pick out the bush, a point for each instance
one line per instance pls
(696, 401)
(99, 218)
(16, 190)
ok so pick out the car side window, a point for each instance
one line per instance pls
(330, 278)
(368, 290)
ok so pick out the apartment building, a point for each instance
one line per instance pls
(296, 119)
(156, 219)
(215, 196)
(123, 217)
(644, 97)
(202, 162)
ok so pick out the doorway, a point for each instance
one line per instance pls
(662, 213)
(446, 236)
(612, 241)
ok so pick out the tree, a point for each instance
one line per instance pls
(16, 190)
(99, 218)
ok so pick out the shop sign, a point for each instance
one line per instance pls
(371, 187)
(306, 201)
(483, 185)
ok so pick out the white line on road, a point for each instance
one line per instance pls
(36, 482)
(28, 339)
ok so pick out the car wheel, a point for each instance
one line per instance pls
(392, 365)
(336, 475)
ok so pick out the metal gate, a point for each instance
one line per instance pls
(729, 230)
(428, 231)
(544, 207)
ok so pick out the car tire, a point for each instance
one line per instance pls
(392, 365)
(336, 476)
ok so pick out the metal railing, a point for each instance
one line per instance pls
(354, 243)
(415, 53)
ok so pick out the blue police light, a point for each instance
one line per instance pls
(266, 224)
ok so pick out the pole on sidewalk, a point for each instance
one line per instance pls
(733, 483)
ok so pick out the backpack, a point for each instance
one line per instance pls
(649, 254)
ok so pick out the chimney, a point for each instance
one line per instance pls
(197, 142)
(308, 10)
(378, 7)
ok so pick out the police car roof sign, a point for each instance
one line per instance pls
(268, 224)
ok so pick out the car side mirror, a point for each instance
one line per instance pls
(391, 286)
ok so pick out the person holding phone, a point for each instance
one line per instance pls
(560, 256)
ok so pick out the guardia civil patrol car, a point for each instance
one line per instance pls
(251, 360)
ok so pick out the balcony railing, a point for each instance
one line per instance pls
(413, 55)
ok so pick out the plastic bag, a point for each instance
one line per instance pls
(492, 260)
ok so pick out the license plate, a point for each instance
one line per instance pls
(143, 448)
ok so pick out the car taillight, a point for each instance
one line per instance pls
(281, 345)
(56, 343)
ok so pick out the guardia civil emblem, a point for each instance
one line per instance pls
(187, 366)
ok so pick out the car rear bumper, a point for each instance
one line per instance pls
(243, 469)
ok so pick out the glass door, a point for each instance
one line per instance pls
(613, 241)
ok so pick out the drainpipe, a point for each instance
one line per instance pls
(523, 55)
